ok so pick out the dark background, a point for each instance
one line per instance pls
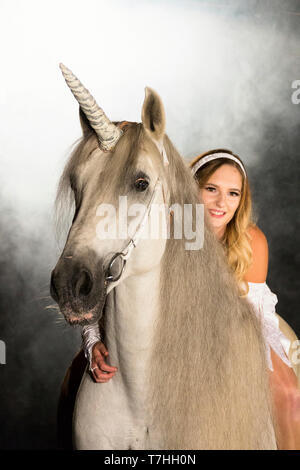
(39, 346)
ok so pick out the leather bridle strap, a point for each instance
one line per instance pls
(126, 252)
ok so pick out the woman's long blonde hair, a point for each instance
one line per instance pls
(236, 239)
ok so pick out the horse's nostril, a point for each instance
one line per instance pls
(84, 284)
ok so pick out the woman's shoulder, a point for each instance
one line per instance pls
(259, 245)
(257, 237)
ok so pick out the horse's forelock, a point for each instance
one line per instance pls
(116, 171)
(65, 201)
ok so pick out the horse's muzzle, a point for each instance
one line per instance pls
(79, 289)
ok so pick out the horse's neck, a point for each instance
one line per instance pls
(131, 311)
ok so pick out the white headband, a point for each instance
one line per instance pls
(214, 156)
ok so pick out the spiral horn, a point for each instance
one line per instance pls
(108, 134)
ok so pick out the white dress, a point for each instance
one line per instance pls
(263, 302)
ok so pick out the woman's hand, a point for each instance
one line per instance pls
(101, 371)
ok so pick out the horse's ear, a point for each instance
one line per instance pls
(153, 115)
(85, 125)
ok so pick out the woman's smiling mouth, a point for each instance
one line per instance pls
(215, 213)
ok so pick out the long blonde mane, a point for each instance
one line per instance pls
(209, 374)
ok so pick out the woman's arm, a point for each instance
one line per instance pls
(260, 256)
(283, 381)
(96, 354)
(263, 300)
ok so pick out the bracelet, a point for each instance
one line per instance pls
(90, 335)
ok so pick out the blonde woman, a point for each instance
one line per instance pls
(224, 190)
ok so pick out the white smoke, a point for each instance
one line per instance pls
(222, 75)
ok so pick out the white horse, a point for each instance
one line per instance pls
(192, 371)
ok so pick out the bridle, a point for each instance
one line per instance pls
(125, 254)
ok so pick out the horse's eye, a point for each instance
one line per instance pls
(141, 184)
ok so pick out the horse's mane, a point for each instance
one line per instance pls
(208, 369)
(209, 374)
(116, 171)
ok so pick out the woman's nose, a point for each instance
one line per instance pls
(221, 200)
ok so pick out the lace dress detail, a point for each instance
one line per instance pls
(263, 302)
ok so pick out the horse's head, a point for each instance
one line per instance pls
(106, 242)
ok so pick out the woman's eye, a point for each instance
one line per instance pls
(141, 184)
(233, 193)
(210, 188)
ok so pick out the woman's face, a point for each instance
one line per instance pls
(221, 196)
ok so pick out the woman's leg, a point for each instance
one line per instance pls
(286, 402)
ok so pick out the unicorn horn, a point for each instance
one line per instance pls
(108, 134)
